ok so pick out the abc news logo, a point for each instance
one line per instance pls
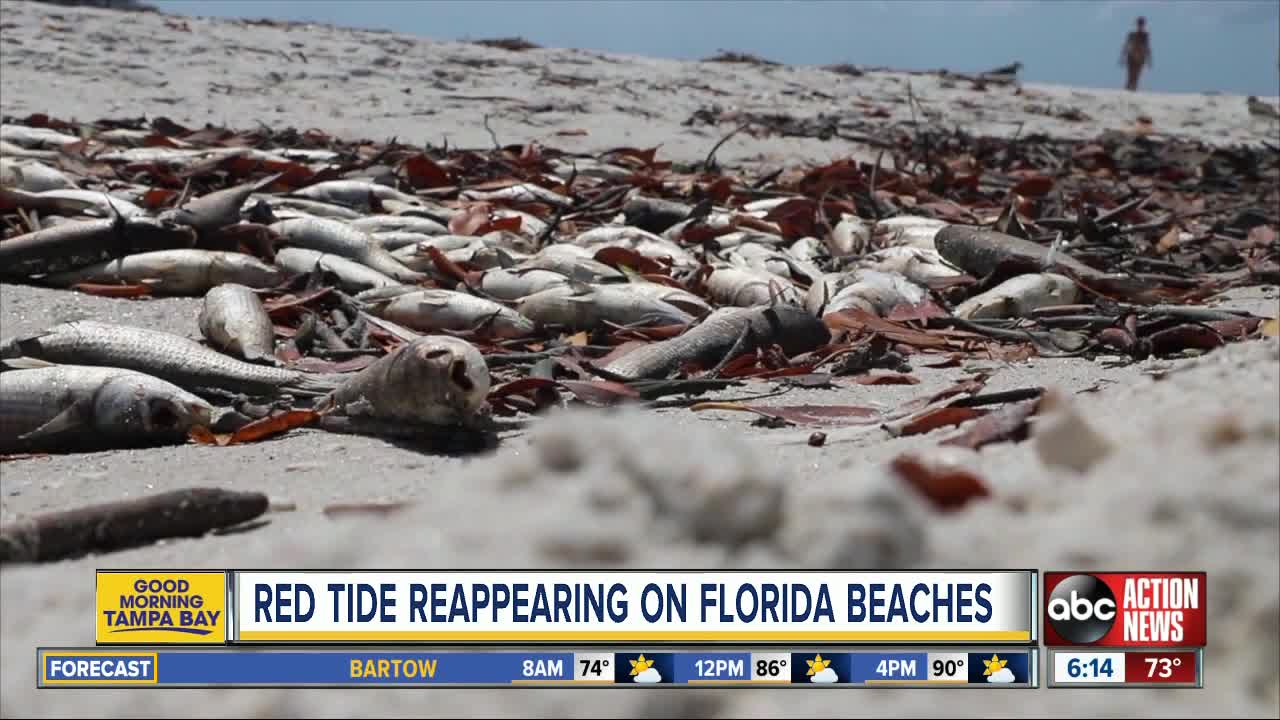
(1082, 609)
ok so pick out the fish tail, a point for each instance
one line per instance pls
(314, 385)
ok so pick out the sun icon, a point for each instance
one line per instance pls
(639, 666)
(817, 665)
(994, 665)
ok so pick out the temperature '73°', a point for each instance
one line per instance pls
(1162, 667)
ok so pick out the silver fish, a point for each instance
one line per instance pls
(233, 320)
(418, 256)
(436, 380)
(338, 238)
(181, 361)
(352, 276)
(294, 207)
(394, 240)
(513, 284)
(911, 230)
(32, 176)
(34, 137)
(809, 249)
(399, 223)
(177, 272)
(522, 193)
(877, 293)
(644, 243)
(72, 245)
(352, 193)
(769, 259)
(14, 150)
(850, 236)
(587, 307)
(65, 407)
(919, 265)
(682, 299)
(220, 208)
(574, 262)
(433, 310)
(97, 203)
(1019, 295)
(745, 287)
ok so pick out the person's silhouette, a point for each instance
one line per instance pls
(1136, 53)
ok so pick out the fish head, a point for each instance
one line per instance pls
(458, 369)
(134, 403)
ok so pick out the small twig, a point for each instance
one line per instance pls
(875, 205)
(998, 398)
(545, 236)
(493, 136)
(1172, 218)
(711, 156)
(733, 352)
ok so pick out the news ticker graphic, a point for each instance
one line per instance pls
(1125, 610)
(528, 607)
(1126, 668)
(166, 667)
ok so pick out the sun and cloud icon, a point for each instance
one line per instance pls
(820, 671)
(996, 672)
(643, 671)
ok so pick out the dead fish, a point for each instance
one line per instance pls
(677, 297)
(1018, 296)
(74, 245)
(32, 176)
(827, 287)
(176, 272)
(978, 251)
(574, 262)
(708, 342)
(13, 150)
(808, 249)
(218, 209)
(338, 238)
(125, 137)
(645, 243)
(433, 310)
(233, 320)
(745, 287)
(747, 237)
(65, 407)
(172, 158)
(352, 276)
(34, 137)
(589, 167)
(394, 240)
(375, 224)
(877, 293)
(522, 193)
(352, 193)
(769, 259)
(919, 265)
(373, 295)
(179, 360)
(850, 236)
(418, 255)
(512, 284)
(910, 230)
(295, 207)
(436, 380)
(70, 201)
(587, 307)
(654, 214)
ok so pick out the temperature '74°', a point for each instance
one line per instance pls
(593, 667)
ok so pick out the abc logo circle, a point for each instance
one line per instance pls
(1082, 609)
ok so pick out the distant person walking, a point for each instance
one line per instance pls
(1136, 53)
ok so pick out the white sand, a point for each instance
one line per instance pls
(1165, 498)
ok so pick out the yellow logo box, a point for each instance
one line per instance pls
(136, 608)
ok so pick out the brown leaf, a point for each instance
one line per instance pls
(619, 257)
(951, 360)
(795, 217)
(1034, 186)
(887, 378)
(1169, 241)
(423, 172)
(510, 224)
(860, 320)
(599, 392)
(204, 436)
(1182, 337)
(1007, 423)
(114, 291)
(447, 267)
(931, 420)
(285, 302)
(520, 387)
(158, 197)
(947, 487)
(272, 425)
(822, 415)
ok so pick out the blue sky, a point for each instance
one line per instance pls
(1224, 45)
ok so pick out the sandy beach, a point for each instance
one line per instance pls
(1191, 481)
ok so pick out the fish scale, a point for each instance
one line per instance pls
(181, 361)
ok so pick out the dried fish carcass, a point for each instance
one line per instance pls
(433, 310)
(587, 307)
(233, 320)
(1019, 295)
(176, 272)
(745, 287)
(351, 276)
(339, 238)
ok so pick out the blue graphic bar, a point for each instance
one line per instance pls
(355, 667)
